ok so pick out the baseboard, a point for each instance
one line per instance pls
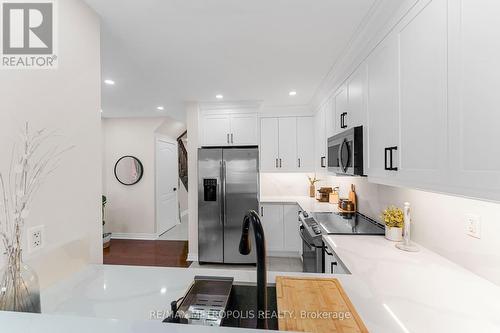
(184, 213)
(138, 236)
(192, 257)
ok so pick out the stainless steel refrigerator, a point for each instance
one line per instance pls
(228, 186)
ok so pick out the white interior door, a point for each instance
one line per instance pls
(167, 180)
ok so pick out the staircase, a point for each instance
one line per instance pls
(183, 159)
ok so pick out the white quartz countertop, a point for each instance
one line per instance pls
(307, 204)
(392, 291)
(400, 291)
(124, 298)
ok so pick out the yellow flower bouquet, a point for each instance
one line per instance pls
(393, 218)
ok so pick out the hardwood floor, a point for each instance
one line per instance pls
(147, 253)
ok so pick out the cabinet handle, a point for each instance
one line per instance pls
(389, 159)
(332, 268)
(276, 163)
(323, 158)
(280, 163)
(228, 138)
(232, 138)
(299, 162)
(261, 210)
(342, 120)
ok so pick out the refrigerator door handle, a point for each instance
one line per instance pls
(223, 197)
(221, 194)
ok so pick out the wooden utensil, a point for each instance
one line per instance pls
(307, 297)
(352, 197)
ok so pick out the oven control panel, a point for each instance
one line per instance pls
(310, 223)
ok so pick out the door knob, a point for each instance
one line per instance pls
(175, 189)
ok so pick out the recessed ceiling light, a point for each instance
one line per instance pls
(292, 93)
(160, 108)
(219, 96)
(109, 82)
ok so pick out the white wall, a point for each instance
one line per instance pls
(192, 148)
(183, 199)
(131, 209)
(66, 99)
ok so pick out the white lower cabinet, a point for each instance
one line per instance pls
(292, 241)
(333, 265)
(280, 223)
(272, 222)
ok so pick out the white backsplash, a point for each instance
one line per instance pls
(284, 184)
(439, 220)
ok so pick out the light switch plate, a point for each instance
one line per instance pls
(473, 225)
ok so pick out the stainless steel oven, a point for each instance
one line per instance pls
(312, 244)
(345, 152)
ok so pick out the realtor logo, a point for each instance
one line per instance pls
(28, 34)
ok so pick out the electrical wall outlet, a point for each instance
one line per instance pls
(473, 225)
(36, 238)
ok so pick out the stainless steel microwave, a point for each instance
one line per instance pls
(345, 152)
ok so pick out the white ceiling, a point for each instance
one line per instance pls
(166, 52)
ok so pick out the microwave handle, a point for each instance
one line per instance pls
(342, 165)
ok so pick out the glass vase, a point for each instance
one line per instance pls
(19, 287)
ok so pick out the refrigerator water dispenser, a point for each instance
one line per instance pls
(209, 189)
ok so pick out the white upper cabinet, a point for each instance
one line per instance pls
(287, 144)
(356, 89)
(341, 110)
(216, 130)
(230, 129)
(244, 129)
(320, 139)
(423, 99)
(269, 140)
(475, 98)
(305, 144)
(330, 124)
(383, 109)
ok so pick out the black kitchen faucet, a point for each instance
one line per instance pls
(245, 248)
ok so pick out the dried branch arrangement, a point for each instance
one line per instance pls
(30, 165)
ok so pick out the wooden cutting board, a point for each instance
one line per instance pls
(300, 300)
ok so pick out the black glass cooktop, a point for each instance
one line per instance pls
(339, 224)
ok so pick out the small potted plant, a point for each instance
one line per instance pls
(312, 185)
(394, 220)
(106, 236)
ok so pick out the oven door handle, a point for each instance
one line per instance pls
(312, 246)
